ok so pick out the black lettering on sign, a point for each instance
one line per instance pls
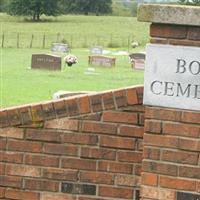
(187, 196)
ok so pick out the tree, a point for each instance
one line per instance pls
(190, 2)
(34, 8)
(87, 6)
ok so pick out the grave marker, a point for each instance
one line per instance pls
(96, 50)
(137, 60)
(102, 61)
(60, 48)
(44, 61)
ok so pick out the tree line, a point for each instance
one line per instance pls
(36, 8)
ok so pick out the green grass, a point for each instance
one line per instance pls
(78, 31)
(21, 85)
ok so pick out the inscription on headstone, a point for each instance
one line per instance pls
(96, 50)
(59, 47)
(172, 77)
(187, 196)
(44, 61)
(101, 61)
(137, 60)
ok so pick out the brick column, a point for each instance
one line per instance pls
(171, 158)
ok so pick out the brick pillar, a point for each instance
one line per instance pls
(171, 158)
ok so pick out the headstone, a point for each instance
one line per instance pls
(60, 48)
(187, 196)
(172, 77)
(102, 61)
(44, 61)
(138, 60)
(96, 50)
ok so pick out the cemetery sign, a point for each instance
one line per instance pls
(44, 61)
(172, 77)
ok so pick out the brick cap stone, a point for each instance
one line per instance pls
(169, 14)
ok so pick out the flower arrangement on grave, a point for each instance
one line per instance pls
(70, 60)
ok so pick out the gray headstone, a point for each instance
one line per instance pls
(137, 60)
(60, 48)
(44, 61)
(96, 50)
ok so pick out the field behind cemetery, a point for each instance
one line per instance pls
(20, 85)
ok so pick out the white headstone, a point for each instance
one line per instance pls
(172, 76)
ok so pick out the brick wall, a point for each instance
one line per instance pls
(171, 151)
(79, 148)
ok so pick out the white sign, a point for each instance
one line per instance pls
(172, 77)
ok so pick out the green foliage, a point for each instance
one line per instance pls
(87, 6)
(190, 2)
(34, 8)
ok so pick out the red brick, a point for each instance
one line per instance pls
(193, 33)
(189, 144)
(180, 157)
(3, 119)
(42, 160)
(2, 169)
(157, 40)
(132, 131)
(21, 195)
(140, 92)
(17, 133)
(13, 117)
(87, 198)
(20, 170)
(11, 157)
(96, 102)
(42, 185)
(72, 107)
(92, 117)
(116, 192)
(151, 153)
(117, 142)
(159, 168)
(53, 196)
(120, 98)
(137, 170)
(97, 177)
(43, 135)
(37, 113)
(127, 180)
(184, 42)
(178, 184)
(24, 146)
(60, 174)
(25, 113)
(130, 156)
(3, 142)
(60, 108)
(189, 172)
(84, 105)
(97, 127)
(153, 126)
(63, 123)
(2, 192)
(181, 129)
(11, 181)
(141, 119)
(105, 154)
(115, 167)
(191, 117)
(59, 149)
(162, 114)
(168, 31)
(149, 179)
(120, 117)
(108, 101)
(79, 138)
(48, 111)
(132, 97)
(72, 163)
(161, 140)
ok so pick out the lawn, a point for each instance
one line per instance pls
(20, 85)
